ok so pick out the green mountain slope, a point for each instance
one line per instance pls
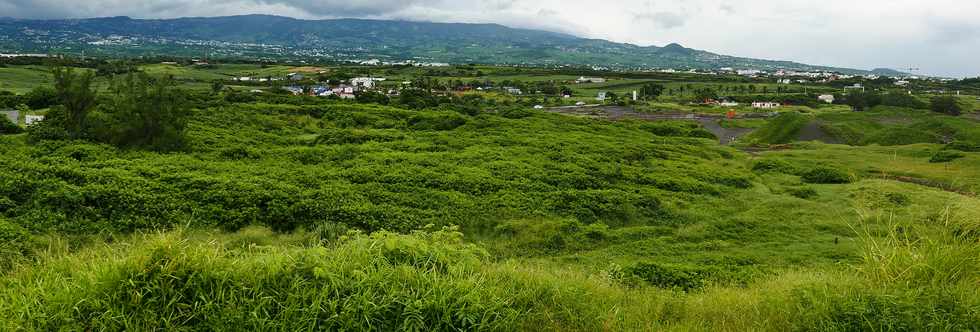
(261, 36)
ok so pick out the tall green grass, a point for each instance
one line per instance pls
(783, 129)
(912, 278)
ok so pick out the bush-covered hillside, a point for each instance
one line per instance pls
(275, 212)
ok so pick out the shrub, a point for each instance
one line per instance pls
(945, 156)
(516, 112)
(14, 243)
(665, 129)
(946, 105)
(827, 175)
(963, 146)
(47, 130)
(436, 121)
(669, 276)
(774, 165)
(803, 192)
(355, 136)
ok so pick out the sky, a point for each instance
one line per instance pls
(936, 37)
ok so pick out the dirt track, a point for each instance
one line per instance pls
(615, 113)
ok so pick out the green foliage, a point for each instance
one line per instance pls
(677, 129)
(702, 95)
(378, 282)
(516, 112)
(536, 237)
(15, 242)
(946, 105)
(41, 97)
(803, 192)
(945, 156)
(77, 96)
(51, 128)
(669, 276)
(437, 121)
(892, 126)
(827, 175)
(861, 101)
(785, 128)
(963, 146)
(903, 100)
(357, 136)
(651, 91)
(774, 165)
(686, 277)
(144, 112)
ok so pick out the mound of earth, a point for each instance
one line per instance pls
(813, 131)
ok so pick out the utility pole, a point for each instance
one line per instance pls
(912, 69)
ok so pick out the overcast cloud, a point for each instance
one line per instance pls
(942, 37)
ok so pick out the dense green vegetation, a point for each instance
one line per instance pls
(179, 208)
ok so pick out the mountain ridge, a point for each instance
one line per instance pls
(271, 36)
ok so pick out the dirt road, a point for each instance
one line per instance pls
(614, 113)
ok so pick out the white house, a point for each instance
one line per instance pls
(514, 91)
(538, 107)
(365, 82)
(294, 90)
(728, 103)
(584, 79)
(32, 119)
(601, 96)
(766, 105)
(826, 98)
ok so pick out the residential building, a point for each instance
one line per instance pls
(826, 98)
(766, 105)
(32, 119)
(365, 82)
(295, 90)
(584, 79)
(601, 96)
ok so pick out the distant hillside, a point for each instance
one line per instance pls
(263, 36)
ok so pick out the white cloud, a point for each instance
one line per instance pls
(939, 36)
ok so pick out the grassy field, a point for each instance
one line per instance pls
(310, 214)
(21, 79)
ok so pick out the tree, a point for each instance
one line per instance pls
(217, 86)
(372, 97)
(861, 101)
(41, 97)
(146, 112)
(75, 93)
(946, 105)
(701, 95)
(651, 91)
